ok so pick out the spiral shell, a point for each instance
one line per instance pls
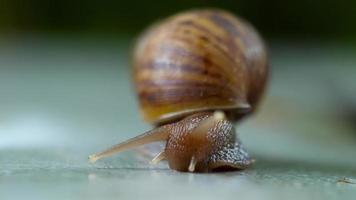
(199, 60)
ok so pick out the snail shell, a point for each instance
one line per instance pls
(195, 73)
(196, 61)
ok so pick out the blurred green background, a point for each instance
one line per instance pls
(66, 92)
(276, 18)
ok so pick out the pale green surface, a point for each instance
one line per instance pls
(62, 100)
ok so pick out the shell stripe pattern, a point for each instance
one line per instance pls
(194, 61)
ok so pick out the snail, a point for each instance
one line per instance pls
(195, 74)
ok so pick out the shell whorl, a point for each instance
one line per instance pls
(198, 60)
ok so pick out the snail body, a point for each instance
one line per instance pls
(195, 74)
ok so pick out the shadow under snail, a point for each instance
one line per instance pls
(195, 74)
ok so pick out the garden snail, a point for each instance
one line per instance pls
(195, 74)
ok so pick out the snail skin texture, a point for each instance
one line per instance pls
(195, 74)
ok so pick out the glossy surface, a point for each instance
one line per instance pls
(63, 99)
(196, 61)
(205, 142)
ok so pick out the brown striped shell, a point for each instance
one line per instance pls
(196, 61)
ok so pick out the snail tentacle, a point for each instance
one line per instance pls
(192, 164)
(159, 157)
(157, 134)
